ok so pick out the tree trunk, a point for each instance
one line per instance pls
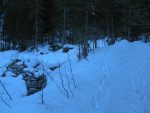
(64, 27)
(37, 10)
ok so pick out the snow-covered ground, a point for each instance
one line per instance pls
(114, 79)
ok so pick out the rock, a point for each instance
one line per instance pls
(16, 67)
(66, 49)
(35, 84)
(55, 47)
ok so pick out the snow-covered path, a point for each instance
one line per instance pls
(121, 79)
(128, 76)
(114, 80)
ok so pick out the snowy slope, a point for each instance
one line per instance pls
(114, 80)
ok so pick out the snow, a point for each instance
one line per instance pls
(115, 79)
(68, 46)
